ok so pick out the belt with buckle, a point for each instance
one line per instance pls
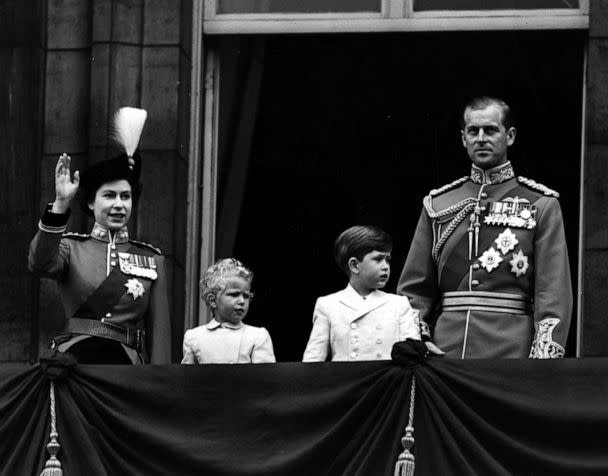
(486, 301)
(133, 338)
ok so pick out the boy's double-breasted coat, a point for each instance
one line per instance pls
(347, 326)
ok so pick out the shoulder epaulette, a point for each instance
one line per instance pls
(147, 245)
(539, 187)
(76, 236)
(449, 186)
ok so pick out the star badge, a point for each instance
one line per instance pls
(490, 259)
(519, 263)
(506, 241)
(134, 288)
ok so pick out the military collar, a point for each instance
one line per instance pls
(492, 176)
(213, 324)
(101, 233)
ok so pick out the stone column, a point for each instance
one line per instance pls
(594, 330)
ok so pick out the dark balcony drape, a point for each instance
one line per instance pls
(471, 418)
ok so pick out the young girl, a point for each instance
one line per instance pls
(226, 290)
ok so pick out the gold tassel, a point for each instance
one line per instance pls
(53, 466)
(406, 463)
(470, 234)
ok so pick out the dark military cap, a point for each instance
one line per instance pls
(116, 168)
(119, 167)
(128, 125)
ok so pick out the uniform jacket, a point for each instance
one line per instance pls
(80, 263)
(348, 327)
(226, 343)
(488, 268)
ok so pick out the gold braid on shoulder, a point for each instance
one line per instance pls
(449, 186)
(466, 207)
(539, 187)
(461, 209)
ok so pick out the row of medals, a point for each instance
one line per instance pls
(137, 265)
(518, 215)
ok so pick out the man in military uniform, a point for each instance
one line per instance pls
(488, 265)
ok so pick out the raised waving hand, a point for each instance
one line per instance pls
(65, 186)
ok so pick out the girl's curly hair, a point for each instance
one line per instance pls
(214, 280)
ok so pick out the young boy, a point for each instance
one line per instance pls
(361, 322)
(226, 290)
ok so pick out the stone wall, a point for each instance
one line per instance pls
(595, 218)
(21, 109)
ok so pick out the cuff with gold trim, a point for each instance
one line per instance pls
(543, 346)
(53, 222)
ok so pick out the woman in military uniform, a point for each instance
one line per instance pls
(113, 289)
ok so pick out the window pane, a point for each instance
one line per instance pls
(298, 6)
(424, 5)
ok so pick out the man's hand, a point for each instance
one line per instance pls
(65, 188)
(433, 349)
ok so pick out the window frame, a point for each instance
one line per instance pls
(395, 16)
(582, 10)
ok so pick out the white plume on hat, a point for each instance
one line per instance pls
(128, 125)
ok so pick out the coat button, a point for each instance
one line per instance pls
(484, 195)
(353, 340)
(353, 325)
(379, 355)
(476, 266)
(112, 263)
(474, 283)
(379, 327)
(353, 355)
(113, 246)
(112, 255)
(379, 341)
(108, 315)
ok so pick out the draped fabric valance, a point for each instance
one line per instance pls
(471, 418)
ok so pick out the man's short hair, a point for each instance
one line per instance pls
(483, 102)
(357, 241)
(214, 280)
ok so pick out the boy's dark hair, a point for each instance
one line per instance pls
(357, 241)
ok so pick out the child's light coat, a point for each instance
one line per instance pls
(348, 327)
(215, 343)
